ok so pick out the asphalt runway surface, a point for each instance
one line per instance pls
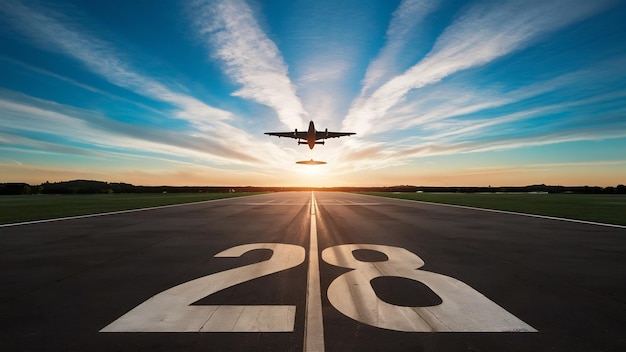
(304, 271)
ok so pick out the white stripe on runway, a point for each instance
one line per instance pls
(112, 213)
(510, 213)
(314, 325)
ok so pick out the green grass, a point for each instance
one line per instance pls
(604, 208)
(28, 208)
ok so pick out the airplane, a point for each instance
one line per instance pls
(311, 162)
(311, 136)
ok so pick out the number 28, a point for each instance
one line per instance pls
(462, 307)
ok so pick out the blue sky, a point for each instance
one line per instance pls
(439, 92)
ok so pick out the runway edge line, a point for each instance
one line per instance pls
(507, 212)
(33, 222)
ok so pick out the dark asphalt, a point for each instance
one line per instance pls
(62, 282)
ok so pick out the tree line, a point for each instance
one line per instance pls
(99, 187)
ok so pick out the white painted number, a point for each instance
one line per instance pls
(463, 308)
(170, 310)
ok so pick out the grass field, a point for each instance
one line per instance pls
(27, 208)
(604, 208)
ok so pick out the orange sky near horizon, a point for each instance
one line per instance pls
(611, 174)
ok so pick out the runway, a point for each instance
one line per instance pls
(302, 271)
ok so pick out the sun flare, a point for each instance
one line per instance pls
(312, 170)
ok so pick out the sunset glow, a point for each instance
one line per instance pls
(468, 93)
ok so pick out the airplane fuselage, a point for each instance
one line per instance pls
(310, 135)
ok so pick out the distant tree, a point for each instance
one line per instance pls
(609, 190)
(27, 190)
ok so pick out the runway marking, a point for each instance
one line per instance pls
(274, 202)
(463, 309)
(171, 310)
(348, 204)
(278, 204)
(332, 202)
(111, 213)
(314, 325)
(515, 213)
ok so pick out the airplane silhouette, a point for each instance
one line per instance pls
(311, 136)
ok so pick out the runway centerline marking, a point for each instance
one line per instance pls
(314, 324)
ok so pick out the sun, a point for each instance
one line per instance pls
(312, 170)
(312, 175)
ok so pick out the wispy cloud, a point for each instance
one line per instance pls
(443, 102)
(82, 85)
(381, 156)
(90, 130)
(488, 127)
(542, 125)
(484, 33)
(432, 78)
(250, 57)
(211, 135)
(402, 30)
(328, 44)
(55, 31)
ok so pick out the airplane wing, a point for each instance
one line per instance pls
(295, 135)
(326, 134)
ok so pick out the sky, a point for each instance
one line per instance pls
(439, 92)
